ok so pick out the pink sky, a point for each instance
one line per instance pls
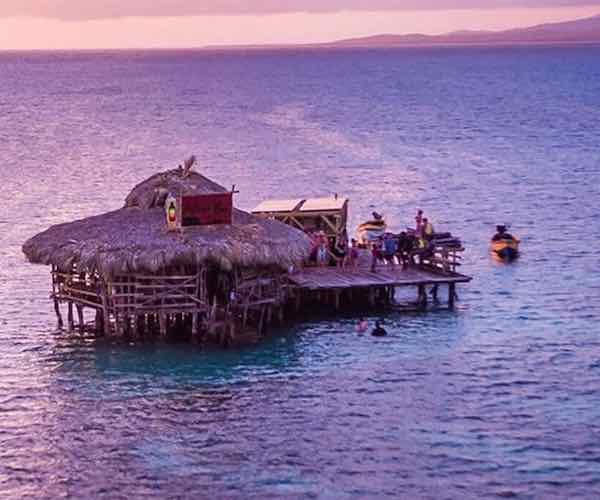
(58, 24)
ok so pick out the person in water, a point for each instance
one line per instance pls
(362, 326)
(501, 234)
(378, 331)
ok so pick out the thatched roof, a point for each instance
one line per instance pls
(134, 238)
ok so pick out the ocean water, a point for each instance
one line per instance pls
(500, 398)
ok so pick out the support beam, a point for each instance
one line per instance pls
(80, 317)
(451, 295)
(140, 325)
(372, 296)
(58, 314)
(70, 323)
(422, 300)
(98, 326)
(162, 321)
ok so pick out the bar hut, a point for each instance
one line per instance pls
(197, 267)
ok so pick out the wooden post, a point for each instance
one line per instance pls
(260, 321)
(269, 314)
(58, 315)
(422, 297)
(98, 326)
(372, 296)
(451, 295)
(105, 312)
(80, 318)
(195, 323)
(162, 321)
(337, 299)
(70, 324)
(140, 325)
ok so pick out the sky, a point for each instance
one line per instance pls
(89, 24)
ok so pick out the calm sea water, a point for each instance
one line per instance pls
(500, 398)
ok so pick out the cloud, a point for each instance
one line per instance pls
(104, 9)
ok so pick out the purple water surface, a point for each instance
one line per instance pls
(500, 398)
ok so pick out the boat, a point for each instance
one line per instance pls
(371, 230)
(505, 245)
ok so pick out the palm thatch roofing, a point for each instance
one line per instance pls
(134, 239)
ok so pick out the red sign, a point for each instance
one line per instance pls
(206, 209)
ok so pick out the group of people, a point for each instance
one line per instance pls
(333, 251)
(404, 246)
(363, 325)
(423, 228)
(390, 248)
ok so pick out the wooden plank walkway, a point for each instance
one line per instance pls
(319, 278)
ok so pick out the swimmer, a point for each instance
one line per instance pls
(378, 331)
(362, 326)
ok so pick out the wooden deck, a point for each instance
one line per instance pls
(333, 278)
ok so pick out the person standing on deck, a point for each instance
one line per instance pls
(322, 251)
(427, 230)
(419, 223)
(340, 250)
(354, 253)
(375, 254)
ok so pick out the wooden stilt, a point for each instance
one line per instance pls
(372, 297)
(261, 320)
(98, 326)
(140, 325)
(337, 299)
(269, 314)
(58, 314)
(195, 323)
(162, 321)
(70, 323)
(80, 318)
(422, 298)
(105, 311)
(451, 295)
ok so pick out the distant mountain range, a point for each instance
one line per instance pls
(578, 31)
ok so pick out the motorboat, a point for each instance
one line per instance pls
(371, 230)
(505, 245)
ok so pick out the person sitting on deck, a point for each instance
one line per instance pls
(427, 230)
(378, 331)
(501, 234)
